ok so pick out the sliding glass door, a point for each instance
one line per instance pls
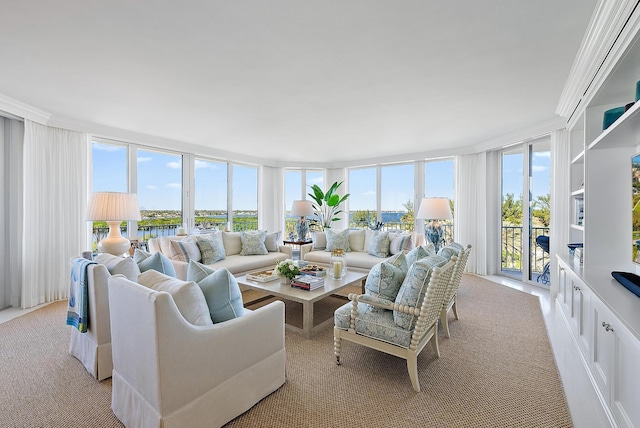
(525, 220)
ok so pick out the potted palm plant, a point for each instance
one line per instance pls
(326, 205)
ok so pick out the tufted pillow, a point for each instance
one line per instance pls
(379, 244)
(356, 240)
(418, 253)
(222, 294)
(184, 250)
(187, 296)
(197, 271)
(384, 281)
(253, 243)
(156, 261)
(211, 248)
(414, 287)
(337, 240)
(117, 265)
(400, 242)
(319, 240)
(271, 242)
(400, 261)
(232, 243)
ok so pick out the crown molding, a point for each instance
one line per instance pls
(607, 36)
(22, 110)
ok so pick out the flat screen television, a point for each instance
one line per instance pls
(635, 208)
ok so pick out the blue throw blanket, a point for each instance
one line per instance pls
(77, 313)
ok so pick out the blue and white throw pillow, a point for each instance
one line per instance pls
(379, 244)
(384, 280)
(253, 243)
(414, 287)
(197, 271)
(399, 242)
(418, 253)
(223, 296)
(156, 261)
(337, 240)
(211, 248)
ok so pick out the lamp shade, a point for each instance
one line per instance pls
(113, 206)
(434, 209)
(301, 209)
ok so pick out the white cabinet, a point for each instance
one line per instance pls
(610, 348)
(614, 363)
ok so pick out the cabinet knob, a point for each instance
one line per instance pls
(607, 326)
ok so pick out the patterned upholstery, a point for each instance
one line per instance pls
(253, 243)
(418, 253)
(384, 280)
(337, 240)
(379, 244)
(374, 324)
(451, 292)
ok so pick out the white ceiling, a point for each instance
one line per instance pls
(284, 80)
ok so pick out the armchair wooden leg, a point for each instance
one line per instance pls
(444, 321)
(434, 342)
(337, 344)
(455, 308)
(412, 367)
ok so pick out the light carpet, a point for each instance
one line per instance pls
(497, 369)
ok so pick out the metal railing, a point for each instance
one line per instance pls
(511, 249)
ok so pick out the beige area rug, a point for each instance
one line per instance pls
(496, 370)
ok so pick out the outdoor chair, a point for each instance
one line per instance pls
(542, 241)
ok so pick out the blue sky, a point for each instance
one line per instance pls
(160, 178)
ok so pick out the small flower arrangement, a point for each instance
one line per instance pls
(287, 268)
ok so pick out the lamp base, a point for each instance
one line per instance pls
(302, 228)
(114, 243)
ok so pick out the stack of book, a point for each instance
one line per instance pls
(313, 270)
(307, 282)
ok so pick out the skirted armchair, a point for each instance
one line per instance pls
(168, 372)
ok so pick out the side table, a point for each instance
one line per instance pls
(297, 244)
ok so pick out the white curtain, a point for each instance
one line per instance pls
(271, 199)
(55, 198)
(470, 220)
(559, 222)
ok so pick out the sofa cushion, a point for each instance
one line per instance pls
(399, 242)
(232, 243)
(222, 294)
(253, 243)
(319, 240)
(384, 280)
(197, 271)
(271, 242)
(356, 239)
(337, 240)
(187, 296)
(375, 324)
(379, 244)
(184, 250)
(156, 261)
(414, 287)
(400, 261)
(118, 265)
(211, 248)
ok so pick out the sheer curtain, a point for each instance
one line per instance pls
(476, 218)
(55, 198)
(559, 222)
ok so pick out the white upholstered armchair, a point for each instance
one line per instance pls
(170, 373)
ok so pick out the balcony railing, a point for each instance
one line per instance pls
(511, 249)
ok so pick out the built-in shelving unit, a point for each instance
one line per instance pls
(603, 316)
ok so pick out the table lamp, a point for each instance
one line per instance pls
(114, 208)
(302, 209)
(434, 209)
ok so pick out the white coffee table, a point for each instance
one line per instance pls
(307, 298)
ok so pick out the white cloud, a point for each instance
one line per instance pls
(542, 154)
(174, 165)
(369, 193)
(539, 168)
(144, 159)
(152, 187)
(107, 147)
(204, 164)
(173, 186)
(317, 181)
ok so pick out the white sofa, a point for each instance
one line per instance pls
(358, 258)
(233, 261)
(170, 373)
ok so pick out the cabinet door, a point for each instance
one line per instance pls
(564, 289)
(604, 340)
(580, 314)
(625, 386)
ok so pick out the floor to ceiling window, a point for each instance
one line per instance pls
(210, 195)
(298, 183)
(526, 170)
(396, 196)
(245, 197)
(363, 199)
